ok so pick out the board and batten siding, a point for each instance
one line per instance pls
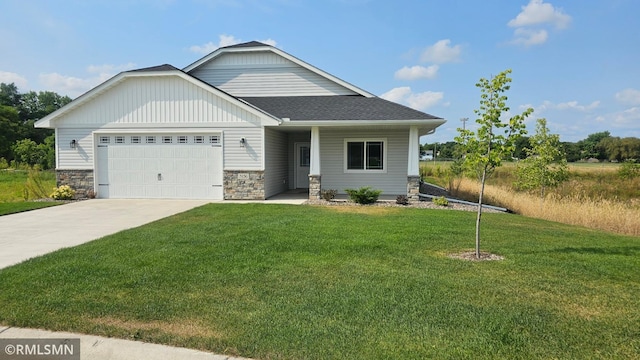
(168, 100)
(276, 160)
(393, 182)
(247, 157)
(265, 74)
(79, 158)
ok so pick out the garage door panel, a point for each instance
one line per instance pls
(159, 170)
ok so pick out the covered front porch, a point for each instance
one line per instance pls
(319, 158)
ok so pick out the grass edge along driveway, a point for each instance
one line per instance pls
(304, 282)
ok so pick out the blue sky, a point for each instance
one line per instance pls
(577, 63)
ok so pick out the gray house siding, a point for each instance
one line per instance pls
(275, 161)
(393, 182)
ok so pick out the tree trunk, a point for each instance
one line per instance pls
(484, 177)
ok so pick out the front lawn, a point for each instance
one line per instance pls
(303, 282)
(16, 207)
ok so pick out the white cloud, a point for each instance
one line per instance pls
(441, 52)
(397, 94)
(530, 23)
(628, 119)
(417, 72)
(538, 12)
(224, 40)
(74, 86)
(569, 105)
(9, 77)
(419, 101)
(574, 105)
(629, 96)
(528, 37)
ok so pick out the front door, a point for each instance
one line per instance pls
(302, 159)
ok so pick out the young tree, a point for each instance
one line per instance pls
(546, 165)
(494, 139)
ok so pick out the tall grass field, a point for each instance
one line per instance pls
(19, 190)
(595, 196)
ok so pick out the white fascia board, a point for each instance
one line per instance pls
(425, 127)
(332, 123)
(46, 121)
(285, 55)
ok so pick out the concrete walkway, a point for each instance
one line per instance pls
(102, 348)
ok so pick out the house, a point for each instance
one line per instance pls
(247, 121)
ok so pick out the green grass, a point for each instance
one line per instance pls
(16, 207)
(12, 191)
(12, 184)
(302, 282)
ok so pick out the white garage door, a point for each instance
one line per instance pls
(162, 166)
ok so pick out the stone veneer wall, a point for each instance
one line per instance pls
(243, 185)
(413, 188)
(314, 187)
(81, 181)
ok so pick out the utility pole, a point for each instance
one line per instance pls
(464, 123)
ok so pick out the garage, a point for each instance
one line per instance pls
(165, 165)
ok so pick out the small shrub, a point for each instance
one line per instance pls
(329, 195)
(364, 195)
(3, 163)
(441, 201)
(63, 192)
(629, 169)
(402, 200)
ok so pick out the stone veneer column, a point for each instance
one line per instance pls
(314, 187)
(81, 181)
(413, 188)
(243, 185)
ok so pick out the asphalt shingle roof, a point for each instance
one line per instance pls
(163, 67)
(347, 107)
(246, 44)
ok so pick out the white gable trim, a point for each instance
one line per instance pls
(285, 55)
(49, 120)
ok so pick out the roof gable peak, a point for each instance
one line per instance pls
(255, 46)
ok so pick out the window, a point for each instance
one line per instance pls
(119, 139)
(167, 139)
(135, 139)
(214, 139)
(198, 139)
(105, 139)
(305, 156)
(365, 155)
(182, 139)
(150, 139)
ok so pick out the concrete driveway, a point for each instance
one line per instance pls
(34, 233)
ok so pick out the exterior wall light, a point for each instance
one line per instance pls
(73, 144)
(243, 141)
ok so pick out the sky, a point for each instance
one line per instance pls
(576, 63)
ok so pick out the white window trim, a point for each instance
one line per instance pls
(365, 140)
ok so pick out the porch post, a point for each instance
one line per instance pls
(413, 164)
(314, 168)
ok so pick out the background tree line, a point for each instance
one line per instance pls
(20, 142)
(600, 146)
